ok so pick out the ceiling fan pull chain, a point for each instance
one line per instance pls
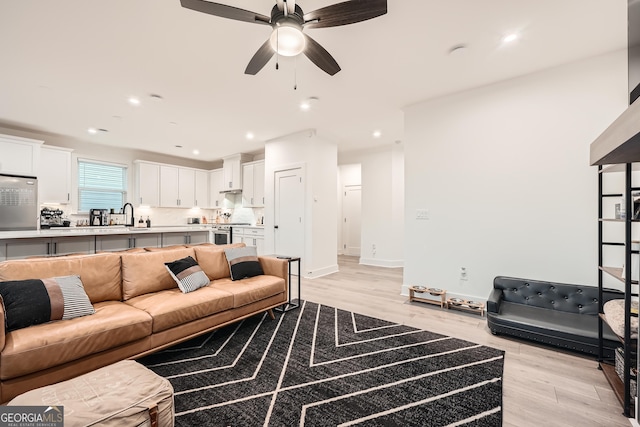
(277, 48)
(295, 73)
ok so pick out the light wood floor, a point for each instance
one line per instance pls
(541, 386)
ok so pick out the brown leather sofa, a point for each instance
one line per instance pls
(138, 310)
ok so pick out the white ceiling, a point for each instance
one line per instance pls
(67, 65)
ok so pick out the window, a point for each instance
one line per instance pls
(101, 185)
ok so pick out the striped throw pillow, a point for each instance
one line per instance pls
(187, 274)
(35, 301)
(243, 262)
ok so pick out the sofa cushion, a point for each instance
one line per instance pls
(43, 346)
(171, 307)
(35, 301)
(251, 289)
(100, 273)
(243, 262)
(213, 261)
(144, 273)
(187, 274)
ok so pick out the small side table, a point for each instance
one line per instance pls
(288, 306)
(442, 293)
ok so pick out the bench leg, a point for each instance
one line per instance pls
(273, 316)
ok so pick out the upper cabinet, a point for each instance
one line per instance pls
(19, 156)
(201, 189)
(216, 185)
(167, 186)
(253, 184)
(54, 175)
(147, 184)
(232, 171)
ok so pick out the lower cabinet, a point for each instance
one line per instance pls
(250, 237)
(121, 242)
(182, 238)
(47, 246)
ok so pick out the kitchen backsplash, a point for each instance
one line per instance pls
(175, 216)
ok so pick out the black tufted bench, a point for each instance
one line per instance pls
(556, 314)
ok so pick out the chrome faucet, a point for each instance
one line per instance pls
(124, 211)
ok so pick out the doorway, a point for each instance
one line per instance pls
(351, 217)
(289, 213)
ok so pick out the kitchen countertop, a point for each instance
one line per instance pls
(99, 231)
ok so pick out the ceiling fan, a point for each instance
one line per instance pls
(288, 20)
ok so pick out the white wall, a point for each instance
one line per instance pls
(504, 173)
(318, 158)
(383, 207)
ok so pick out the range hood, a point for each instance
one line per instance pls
(620, 142)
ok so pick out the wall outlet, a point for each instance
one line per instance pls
(463, 273)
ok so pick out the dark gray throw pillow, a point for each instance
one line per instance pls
(35, 301)
(243, 262)
(187, 274)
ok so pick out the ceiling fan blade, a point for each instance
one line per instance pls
(348, 12)
(224, 11)
(319, 56)
(260, 59)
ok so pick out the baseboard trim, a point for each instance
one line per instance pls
(321, 272)
(388, 263)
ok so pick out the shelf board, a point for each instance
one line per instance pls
(616, 384)
(616, 273)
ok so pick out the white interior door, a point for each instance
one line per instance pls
(289, 213)
(351, 213)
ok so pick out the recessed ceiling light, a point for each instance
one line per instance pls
(92, 131)
(250, 135)
(173, 123)
(196, 152)
(134, 101)
(156, 97)
(178, 146)
(377, 134)
(510, 38)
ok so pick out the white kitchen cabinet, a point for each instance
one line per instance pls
(147, 184)
(20, 156)
(169, 190)
(177, 187)
(253, 184)
(251, 237)
(201, 189)
(232, 171)
(216, 185)
(54, 175)
(186, 187)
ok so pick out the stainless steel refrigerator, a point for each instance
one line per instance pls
(18, 202)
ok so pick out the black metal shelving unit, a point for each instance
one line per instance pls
(621, 388)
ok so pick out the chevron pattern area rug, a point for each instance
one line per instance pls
(320, 366)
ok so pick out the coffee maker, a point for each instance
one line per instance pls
(98, 217)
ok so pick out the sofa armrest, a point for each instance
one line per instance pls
(275, 266)
(494, 300)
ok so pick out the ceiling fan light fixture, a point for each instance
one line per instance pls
(287, 40)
